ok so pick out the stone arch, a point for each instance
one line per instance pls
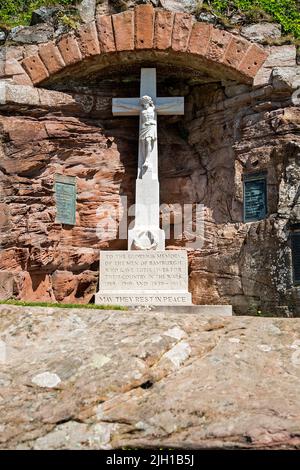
(150, 34)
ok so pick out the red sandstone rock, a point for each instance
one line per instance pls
(30, 157)
(147, 380)
(13, 69)
(144, 26)
(235, 51)
(253, 60)
(123, 24)
(6, 283)
(34, 287)
(164, 21)
(176, 31)
(20, 130)
(88, 40)
(105, 33)
(14, 259)
(181, 31)
(227, 129)
(35, 68)
(51, 57)
(219, 40)
(64, 283)
(199, 39)
(69, 49)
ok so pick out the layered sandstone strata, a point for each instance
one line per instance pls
(241, 115)
(82, 379)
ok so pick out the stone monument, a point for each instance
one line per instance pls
(146, 274)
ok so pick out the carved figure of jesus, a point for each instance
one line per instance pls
(148, 132)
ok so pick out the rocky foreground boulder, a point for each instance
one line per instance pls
(92, 379)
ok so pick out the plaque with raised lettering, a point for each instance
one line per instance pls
(255, 199)
(65, 197)
(295, 237)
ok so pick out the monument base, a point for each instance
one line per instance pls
(131, 278)
(214, 310)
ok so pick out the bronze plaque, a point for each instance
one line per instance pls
(65, 196)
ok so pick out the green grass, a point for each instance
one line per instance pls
(18, 12)
(285, 12)
(23, 303)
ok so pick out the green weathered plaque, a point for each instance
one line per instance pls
(295, 236)
(255, 198)
(65, 197)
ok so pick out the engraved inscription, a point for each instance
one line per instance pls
(160, 271)
(65, 197)
(255, 199)
(183, 299)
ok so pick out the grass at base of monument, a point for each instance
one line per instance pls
(24, 303)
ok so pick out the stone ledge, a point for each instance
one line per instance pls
(25, 95)
(219, 310)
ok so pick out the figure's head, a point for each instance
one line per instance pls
(146, 101)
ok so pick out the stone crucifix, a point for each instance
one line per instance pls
(146, 234)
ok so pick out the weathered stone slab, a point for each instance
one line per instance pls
(86, 379)
(164, 21)
(69, 49)
(88, 40)
(123, 24)
(35, 68)
(143, 278)
(51, 57)
(181, 31)
(144, 26)
(105, 33)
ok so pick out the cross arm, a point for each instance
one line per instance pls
(126, 106)
(172, 105)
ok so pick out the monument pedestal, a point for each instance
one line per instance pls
(131, 278)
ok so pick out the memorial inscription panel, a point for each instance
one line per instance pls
(255, 198)
(65, 197)
(144, 278)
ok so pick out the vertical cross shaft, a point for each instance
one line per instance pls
(146, 233)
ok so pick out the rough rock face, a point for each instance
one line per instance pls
(85, 379)
(38, 33)
(229, 128)
(262, 32)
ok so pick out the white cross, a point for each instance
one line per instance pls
(147, 187)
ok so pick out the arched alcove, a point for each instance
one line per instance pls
(63, 124)
(145, 34)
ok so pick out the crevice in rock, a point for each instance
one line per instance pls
(146, 385)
